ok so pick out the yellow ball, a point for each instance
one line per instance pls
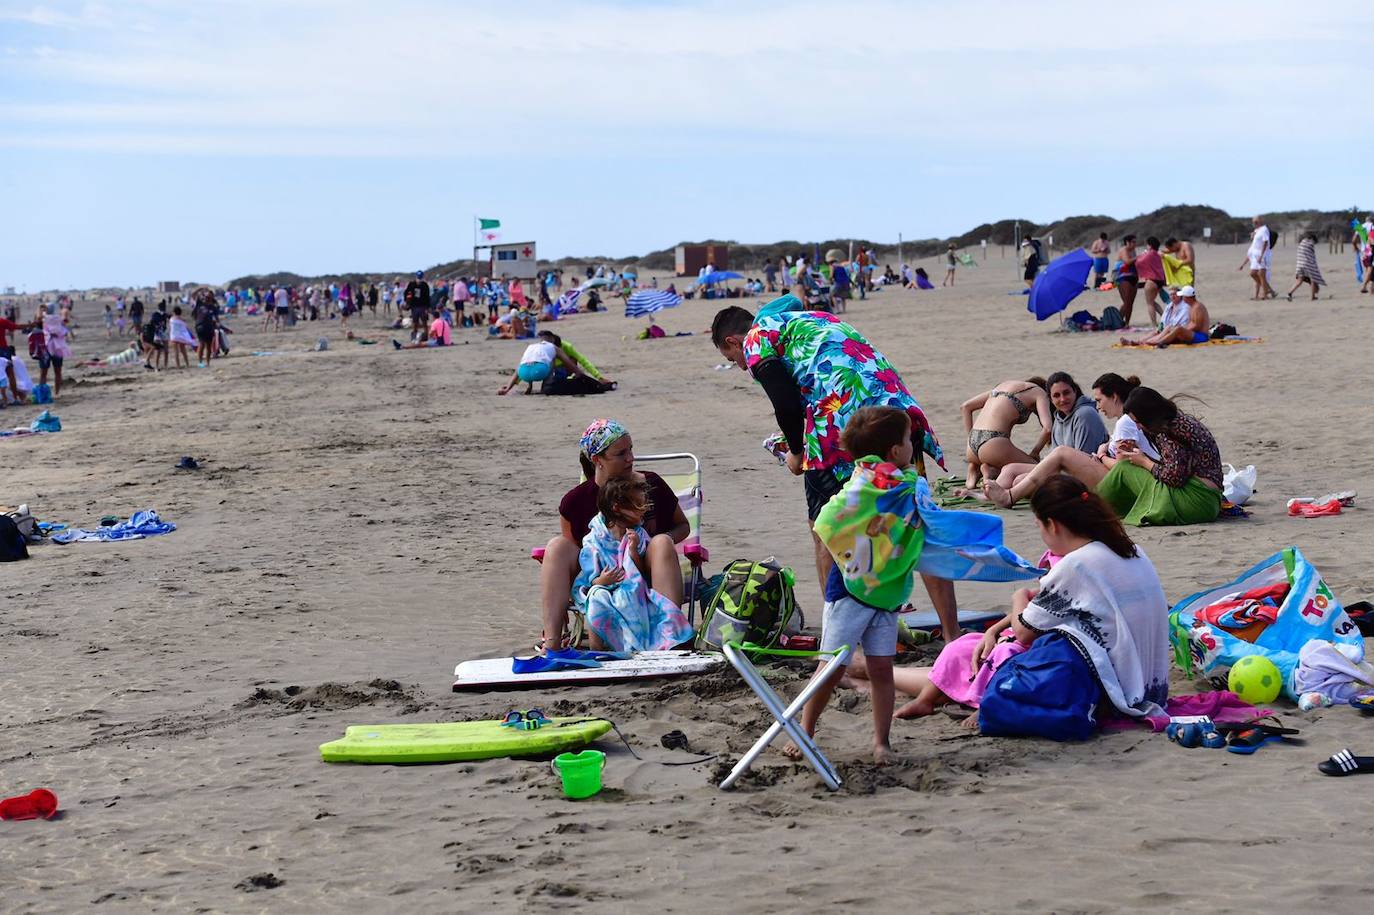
(1255, 679)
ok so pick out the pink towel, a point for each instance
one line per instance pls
(1222, 707)
(951, 671)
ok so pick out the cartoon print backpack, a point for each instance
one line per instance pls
(755, 603)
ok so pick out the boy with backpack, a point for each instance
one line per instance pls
(873, 531)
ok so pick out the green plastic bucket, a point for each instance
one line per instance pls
(581, 772)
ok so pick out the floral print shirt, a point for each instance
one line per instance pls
(838, 371)
(1186, 449)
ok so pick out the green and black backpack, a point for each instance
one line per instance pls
(754, 603)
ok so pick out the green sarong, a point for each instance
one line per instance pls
(1140, 499)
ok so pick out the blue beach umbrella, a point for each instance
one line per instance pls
(1059, 284)
(718, 276)
(647, 301)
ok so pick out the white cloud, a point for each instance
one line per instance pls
(311, 77)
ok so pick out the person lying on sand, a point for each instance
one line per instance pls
(1185, 321)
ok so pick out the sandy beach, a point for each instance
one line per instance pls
(362, 522)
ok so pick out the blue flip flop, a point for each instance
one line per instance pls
(1364, 704)
(541, 664)
(1250, 740)
(583, 654)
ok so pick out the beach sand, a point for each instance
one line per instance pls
(363, 521)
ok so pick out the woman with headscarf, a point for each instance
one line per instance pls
(606, 452)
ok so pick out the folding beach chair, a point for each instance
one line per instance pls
(784, 717)
(681, 470)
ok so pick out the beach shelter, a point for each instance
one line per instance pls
(647, 301)
(719, 276)
(1059, 283)
(593, 284)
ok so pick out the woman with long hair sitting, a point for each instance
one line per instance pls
(1103, 594)
(1182, 487)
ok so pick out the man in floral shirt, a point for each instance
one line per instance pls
(817, 371)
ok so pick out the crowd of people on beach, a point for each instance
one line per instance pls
(857, 428)
(1118, 455)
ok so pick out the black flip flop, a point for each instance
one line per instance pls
(1258, 724)
(1346, 763)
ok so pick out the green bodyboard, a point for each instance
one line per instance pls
(457, 741)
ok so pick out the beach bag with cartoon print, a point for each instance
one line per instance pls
(1273, 609)
(755, 603)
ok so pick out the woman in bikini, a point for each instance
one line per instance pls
(1010, 404)
(1127, 279)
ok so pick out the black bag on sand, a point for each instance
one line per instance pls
(1111, 319)
(572, 385)
(12, 544)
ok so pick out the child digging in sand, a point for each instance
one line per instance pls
(875, 561)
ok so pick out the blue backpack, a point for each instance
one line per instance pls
(1047, 691)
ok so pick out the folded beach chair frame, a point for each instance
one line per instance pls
(681, 470)
(785, 716)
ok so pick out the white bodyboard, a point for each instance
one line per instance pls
(496, 673)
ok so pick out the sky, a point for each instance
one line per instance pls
(207, 139)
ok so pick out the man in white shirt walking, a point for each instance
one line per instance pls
(1257, 259)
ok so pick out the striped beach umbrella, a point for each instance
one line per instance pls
(648, 301)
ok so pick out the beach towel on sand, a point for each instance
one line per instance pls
(141, 524)
(884, 524)
(628, 616)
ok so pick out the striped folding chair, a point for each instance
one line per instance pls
(681, 470)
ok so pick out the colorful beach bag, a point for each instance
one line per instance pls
(754, 603)
(1273, 609)
(1046, 691)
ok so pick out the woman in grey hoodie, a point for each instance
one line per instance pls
(1076, 420)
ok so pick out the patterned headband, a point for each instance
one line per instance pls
(600, 435)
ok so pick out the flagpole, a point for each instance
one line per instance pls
(474, 243)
